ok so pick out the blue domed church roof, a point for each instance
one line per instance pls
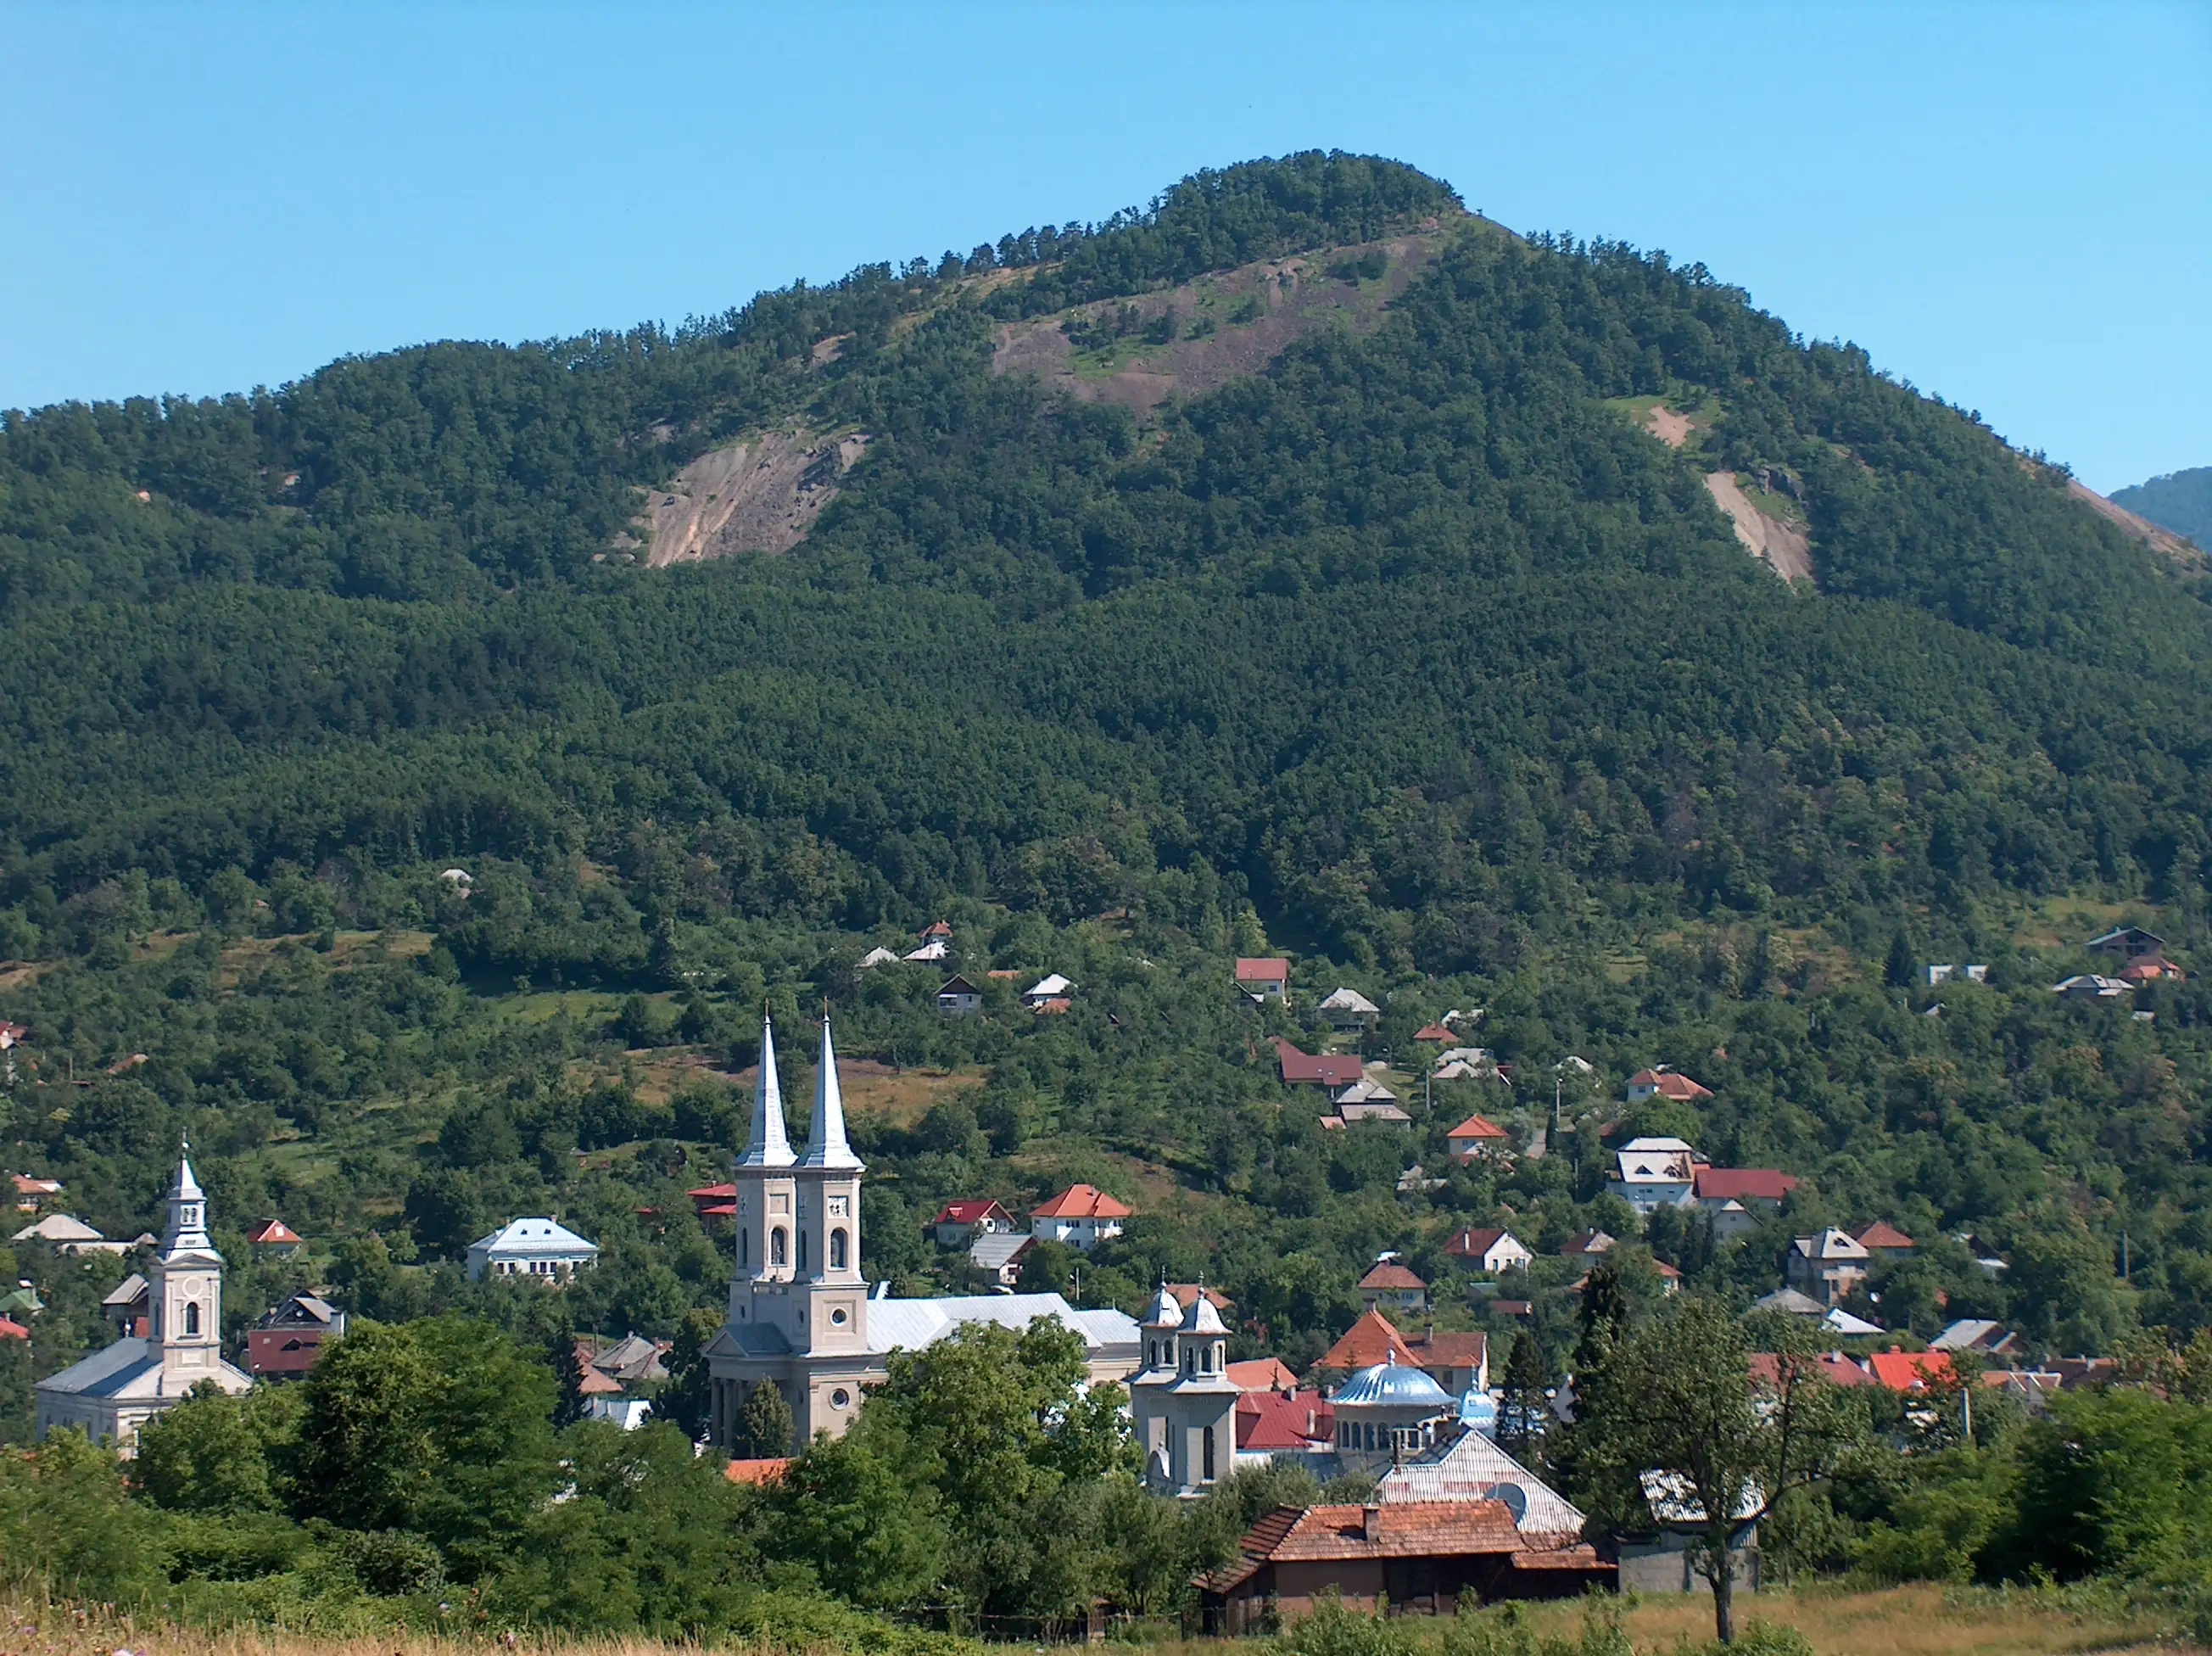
(1391, 1385)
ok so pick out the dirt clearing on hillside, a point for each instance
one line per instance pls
(1785, 546)
(761, 495)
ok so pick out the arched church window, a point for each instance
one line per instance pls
(836, 1251)
(1209, 1454)
(777, 1246)
(191, 1317)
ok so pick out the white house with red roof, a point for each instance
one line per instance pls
(1333, 1070)
(1389, 1283)
(1478, 1136)
(1263, 976)
(1655, 1172)
(272, 1239)
(958, 1223)
(1491, 1251)
(1662, 1081)
(1082, 1215)
(31, 1193)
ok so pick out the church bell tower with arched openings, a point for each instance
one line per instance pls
(767, 1203)
(186, 1305)
(830, 1301)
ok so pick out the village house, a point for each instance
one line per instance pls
(714, 1202)
(1491, 1251)
(959, 998)
(1659, 1554)
(1883, 1240)
(110, 1395)
(1082, 1215)
(287, 1340)
(959, 1222)
(1039, 996)
(1585, 1243)
(878, 956)
(1457, 1362)
(2092, 986)
(1435, 1033)
(1663, 1081)
(1476, 1136)
(1944, 974)
(68, 1235)
(1263, 978)
(127, 1305)
(542, 1248)
(273, 1238)
(1000, 1256)
(1650, 1173)
(2129, 943)
(1331, 1070)
(1291, 1424)
(32, 1194)
(1263, 1374)
(1910, 1371)
(1977, 1334)
(1369, 1099)
(1468, 1063)
(1739, 1197)
(1388, 1282)
(1427, 1557)
(1349, 1012)
(1829, 1265)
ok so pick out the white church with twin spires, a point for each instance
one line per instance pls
(116, 1390)
(801, 1311)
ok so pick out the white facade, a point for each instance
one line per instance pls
(1654, 1173)
(544, 1248)
(112, 1393)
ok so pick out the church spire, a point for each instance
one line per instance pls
(768, 1146)
(186, 1229)
(826, 1146)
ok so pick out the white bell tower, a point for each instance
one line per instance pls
(767, 1242)
(830, 1305)
(187, 1302)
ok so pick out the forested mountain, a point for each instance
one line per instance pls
(2179, 501)
(1411, 649)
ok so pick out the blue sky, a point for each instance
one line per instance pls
(2010, 206)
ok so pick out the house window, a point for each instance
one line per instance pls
(191, 1317)
(777, 1245)
(836, 1251)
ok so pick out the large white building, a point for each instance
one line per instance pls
(801, 1314)
(544, 1248)
(116, 1390)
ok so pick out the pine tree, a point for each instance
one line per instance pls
(764, 1426)
(1900, 972)
(1524, 1397)
(567, 1376)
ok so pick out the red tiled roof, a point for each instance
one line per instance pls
(718, 1210)
(1317, 1069)
(597, 1383)
(1186, 1296)
(1057, 1004)
(970, 1211)
(1909, 1371)
(1370, 1341)
(1275, 1420)
(712, 1193)
(1434, 1033)
(1469, 1243)
(1882, 1234)
(1447, 1350)
(26, 1185)
(1669, 1085)
(1260, 968)
(1735, 1183)
(1477, 1126)
(1083, 1202)
(1766, 1368)
(1389, 1274)
(12, 1329)
(1404, 1528)
(937, 928)
(275, 1230)
(1261, 1374)
(757, 1471)
(1510, 1307)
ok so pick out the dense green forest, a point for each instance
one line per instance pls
(2179, 501)
(1410, 655)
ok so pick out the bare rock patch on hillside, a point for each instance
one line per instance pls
(2166, 544)
(1784, 547)
(1241, 320)
(761, 495)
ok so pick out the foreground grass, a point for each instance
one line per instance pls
(1913, 1621)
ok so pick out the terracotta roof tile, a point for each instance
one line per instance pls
(1083, 1202)
(1370, 1341)
(1389, 1274)
(1734, 1184)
